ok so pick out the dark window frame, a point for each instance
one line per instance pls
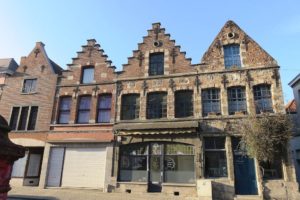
(60, 110)
(130, 103)
(82, 73)
(237, 101)
(25, 119)
(232, 56)
(184, 104)
(158, 109)
(99, 109)
(263, 98)
(156, 64)
(211, 96)
(29, 88)
(219, 148)
(83, 110)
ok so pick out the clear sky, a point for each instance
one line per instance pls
(118, 25)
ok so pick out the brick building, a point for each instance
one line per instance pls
(174, 119)
(27, 103)
(159, 125)
(7, 67)
(79, 145)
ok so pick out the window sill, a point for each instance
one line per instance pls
(72, 125)
(133, 183)
(28, 93)
(179, 184)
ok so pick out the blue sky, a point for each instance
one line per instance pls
(118, 25)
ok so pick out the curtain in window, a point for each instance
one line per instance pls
(88, 75)
(64, 110)
(104, 108)
(84, 109)
(29, 85)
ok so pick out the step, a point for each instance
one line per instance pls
(248, 197)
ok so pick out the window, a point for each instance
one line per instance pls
(232, 56)
(262, 98)
(237, 100)
(272, 170)
(23, 118)
(130, 106)
(87, 75)
(29, 85)
(157, 105)
(156, 66)
(64, 110)
(84, 107)
(211, 101)
(183, 103)
(215, 157)
(104, 108)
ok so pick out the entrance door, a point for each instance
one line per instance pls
(244, 172)
(155, 167)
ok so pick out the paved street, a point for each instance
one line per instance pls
(33, 193)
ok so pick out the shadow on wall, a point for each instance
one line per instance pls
(284, 190)
(222, 191)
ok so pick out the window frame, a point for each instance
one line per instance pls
(162, 106)
(231, 58)
(31, 89)
(83, 110)
(263, 97)
(27, 119)
(188, 103)
(82, 73)
(156, 68)
(210, 100)
(237, 101)
(60, 110)
(136, 106)
(103, 109)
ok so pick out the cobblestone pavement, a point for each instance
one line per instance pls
(33, 193)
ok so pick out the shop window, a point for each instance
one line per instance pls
(157, 105)
(133, 163)
(64, 110)
(237, 100)
(211, 101)
(232, 56)
(130, 106)
(23, 118)
(183, 103)
(83, 112)
(104, 108)
(272, 170)
(215, 157)
(29, 86)
(156, 64)
(179, 164)
(262, 98)
(87, 74)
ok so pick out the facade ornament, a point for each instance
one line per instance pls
(172, 84)
(95, 90)
(24, 69)
(248, 78)
(174, 55)
(145, 87)
(218, 45)
(37, 51)
(119, 88)
(224, 80)
(246, 41)
(75, 92)
(140, 58)
(156, 31)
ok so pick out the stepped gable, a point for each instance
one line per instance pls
(252, 54)
(38, 62)
(90, 55)
(156, 41)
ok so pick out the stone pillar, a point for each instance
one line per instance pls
(44, 166)
(229, 155)
(9, 153)
(224, 101)
(197, 103)
(250, 100)
(170, 104)
(73, 110)
(143, 105)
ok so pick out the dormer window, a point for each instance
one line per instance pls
(87, 75)
(232, 56)
(156, 64)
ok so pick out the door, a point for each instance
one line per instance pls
(84, 167)
(155, 167)
(244, 172)
(33, 168)
(55, 166)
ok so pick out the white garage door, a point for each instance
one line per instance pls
(84, 167)
(56, 161)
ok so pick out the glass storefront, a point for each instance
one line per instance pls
(162, 162)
